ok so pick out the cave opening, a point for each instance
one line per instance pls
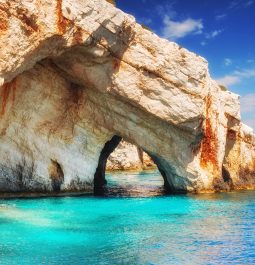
(125, 169)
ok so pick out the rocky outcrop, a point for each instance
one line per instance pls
(77, 76)
(127, 156)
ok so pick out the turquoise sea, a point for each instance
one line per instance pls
(134, 223)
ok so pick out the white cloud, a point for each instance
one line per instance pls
(250, 122)
(213, 34)
(249, 3)
(227, 62)
(179, 29)
(220, 16)
(248, 109)
(229, 80)
(166, 9)
(236, 77)
(248, 73)
(237, 4)
(248, 103)
(234, 4)
(250, 61)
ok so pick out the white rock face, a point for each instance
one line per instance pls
(127, 156)
(75, 74)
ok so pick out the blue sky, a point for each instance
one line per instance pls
(221, 31)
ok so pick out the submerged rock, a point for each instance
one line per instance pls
(74, 74)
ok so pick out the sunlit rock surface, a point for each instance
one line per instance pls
(74, 74)
(127, 156)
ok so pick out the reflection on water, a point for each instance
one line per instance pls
(134, 184)
(162, 230)
(12, 213)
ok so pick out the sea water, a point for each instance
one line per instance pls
(125, 227)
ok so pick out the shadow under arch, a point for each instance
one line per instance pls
(99, 177)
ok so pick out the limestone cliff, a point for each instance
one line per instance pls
(78, 76)
(127, 156)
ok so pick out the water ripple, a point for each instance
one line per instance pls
(184, 229)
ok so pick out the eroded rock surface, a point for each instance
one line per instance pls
(129, 157)
(74, 74)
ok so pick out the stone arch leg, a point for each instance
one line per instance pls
(167, 173)
(99, 177)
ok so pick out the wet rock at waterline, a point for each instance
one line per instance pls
(74, 74)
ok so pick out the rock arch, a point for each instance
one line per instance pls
(74, 74)
(109, 147)
(129, 157)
